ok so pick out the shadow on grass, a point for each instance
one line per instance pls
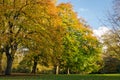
(22, 76)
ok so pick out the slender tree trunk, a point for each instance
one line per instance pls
(1, 54)
(57, 70)
(0, 62)
(34, 67)
(68, 70)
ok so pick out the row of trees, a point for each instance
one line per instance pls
(54, 35)
(111, 40)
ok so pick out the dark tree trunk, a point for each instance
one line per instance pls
(10, 57)
(9, 64)
(0, 63)
(34, 67)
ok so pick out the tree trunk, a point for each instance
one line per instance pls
(0, 63)
(9, 64)
(57, 70)
(68, 71)
(1, 54)
(10, 57)
(34, 67)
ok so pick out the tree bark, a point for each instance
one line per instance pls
(57, 70)
(34, 67)
(9, 64)
(68, 70)
(1, 54)
(0, 62)
(10, 57)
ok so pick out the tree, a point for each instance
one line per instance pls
(63, 14)
(81, 51)
(70, 49)
(111, 41)
(80, 48)
(46, 30)
(47, 43)
(50, 44)
(21, 21)
(89, 55)
(112, 38)
(13, 20)
(111, 65)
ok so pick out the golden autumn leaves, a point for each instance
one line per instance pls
(51, 33)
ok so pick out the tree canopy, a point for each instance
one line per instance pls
(52, 34)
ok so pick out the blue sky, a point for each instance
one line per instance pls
(93, 11)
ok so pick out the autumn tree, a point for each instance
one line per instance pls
(80, 47)
(50, 33)
(21, 21)
(80, 52)
(50, 47)
(47, 43)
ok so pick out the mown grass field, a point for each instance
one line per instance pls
(63, 77)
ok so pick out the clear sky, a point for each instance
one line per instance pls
(93, 11)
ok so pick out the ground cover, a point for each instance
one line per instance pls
(63, 77)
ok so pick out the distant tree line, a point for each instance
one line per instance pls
(111, 40)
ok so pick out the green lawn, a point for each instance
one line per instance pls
(64, 77)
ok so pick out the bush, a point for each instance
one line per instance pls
(21, 70)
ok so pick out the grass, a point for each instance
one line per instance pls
(63, 77)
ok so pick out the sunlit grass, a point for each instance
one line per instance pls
(64, 77)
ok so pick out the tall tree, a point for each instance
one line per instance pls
(21, 21)
(79, 46)
(47, 43)
(112, 38)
